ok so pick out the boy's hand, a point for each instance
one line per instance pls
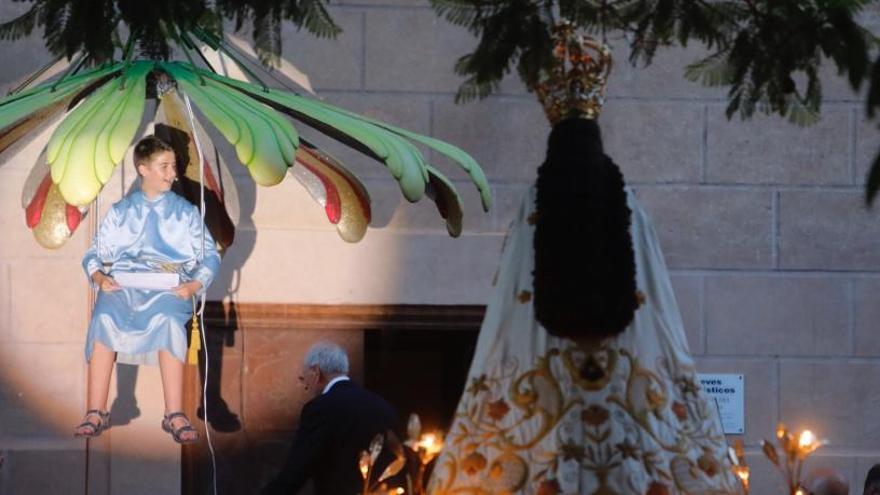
(187, 289)
(105, 282)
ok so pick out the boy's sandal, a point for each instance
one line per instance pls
(94, 428)
(176, 433)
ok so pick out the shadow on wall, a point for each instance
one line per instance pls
(225, 287)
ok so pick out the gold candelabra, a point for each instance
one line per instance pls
(740, 467)
(367, 462)
(795, 448)
(424, 448)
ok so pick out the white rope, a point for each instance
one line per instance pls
(201, 311)
(97, 223)
(94, 229)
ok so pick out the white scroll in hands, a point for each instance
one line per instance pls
(147, 280)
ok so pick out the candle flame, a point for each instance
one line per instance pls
(364, 464)
(807, 439)
(428, 447)
(780, 430)
(430, 443)
(742, 472)
(428, 440)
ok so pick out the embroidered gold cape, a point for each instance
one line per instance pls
(547, 415)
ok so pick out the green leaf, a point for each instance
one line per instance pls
(22, 25)
(267, 38)
(800, 115)
(315, 19)
(714, 70)
(401, 157)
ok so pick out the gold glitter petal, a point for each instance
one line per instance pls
(52, 231)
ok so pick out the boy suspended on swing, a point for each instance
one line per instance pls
(150, 230)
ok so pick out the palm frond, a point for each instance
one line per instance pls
(714, 70)
(22, 25)
(267, 37)
(312, 15)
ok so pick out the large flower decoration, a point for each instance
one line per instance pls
(101, 110)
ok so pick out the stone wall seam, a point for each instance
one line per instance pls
(774, 233)
(431, 117)
(746, 186)
(801, 358)
(704, 316)
(851, 302)
(778, 377)
(363, 51)
(777, 383)
(852, 146)
(818, 359)
(667, 99)
(704, 147)
(860, 274)
(363, 6)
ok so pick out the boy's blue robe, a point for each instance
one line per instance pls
(148, 235)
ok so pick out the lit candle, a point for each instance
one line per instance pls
(430, 444)
(364, 464)
(807, 439)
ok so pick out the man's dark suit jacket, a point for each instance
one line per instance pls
(333, 429)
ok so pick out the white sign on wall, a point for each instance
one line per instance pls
(728, 392)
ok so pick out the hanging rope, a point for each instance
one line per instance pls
(94, 232)
(201, 310)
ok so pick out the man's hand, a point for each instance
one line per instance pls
(105, 282)
(187, 289)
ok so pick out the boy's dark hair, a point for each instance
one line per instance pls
(147, 147)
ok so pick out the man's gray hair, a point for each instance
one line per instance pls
(330, 358)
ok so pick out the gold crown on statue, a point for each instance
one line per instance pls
(576, 84)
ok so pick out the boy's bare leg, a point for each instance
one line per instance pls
(172, 386)
(100, 369)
